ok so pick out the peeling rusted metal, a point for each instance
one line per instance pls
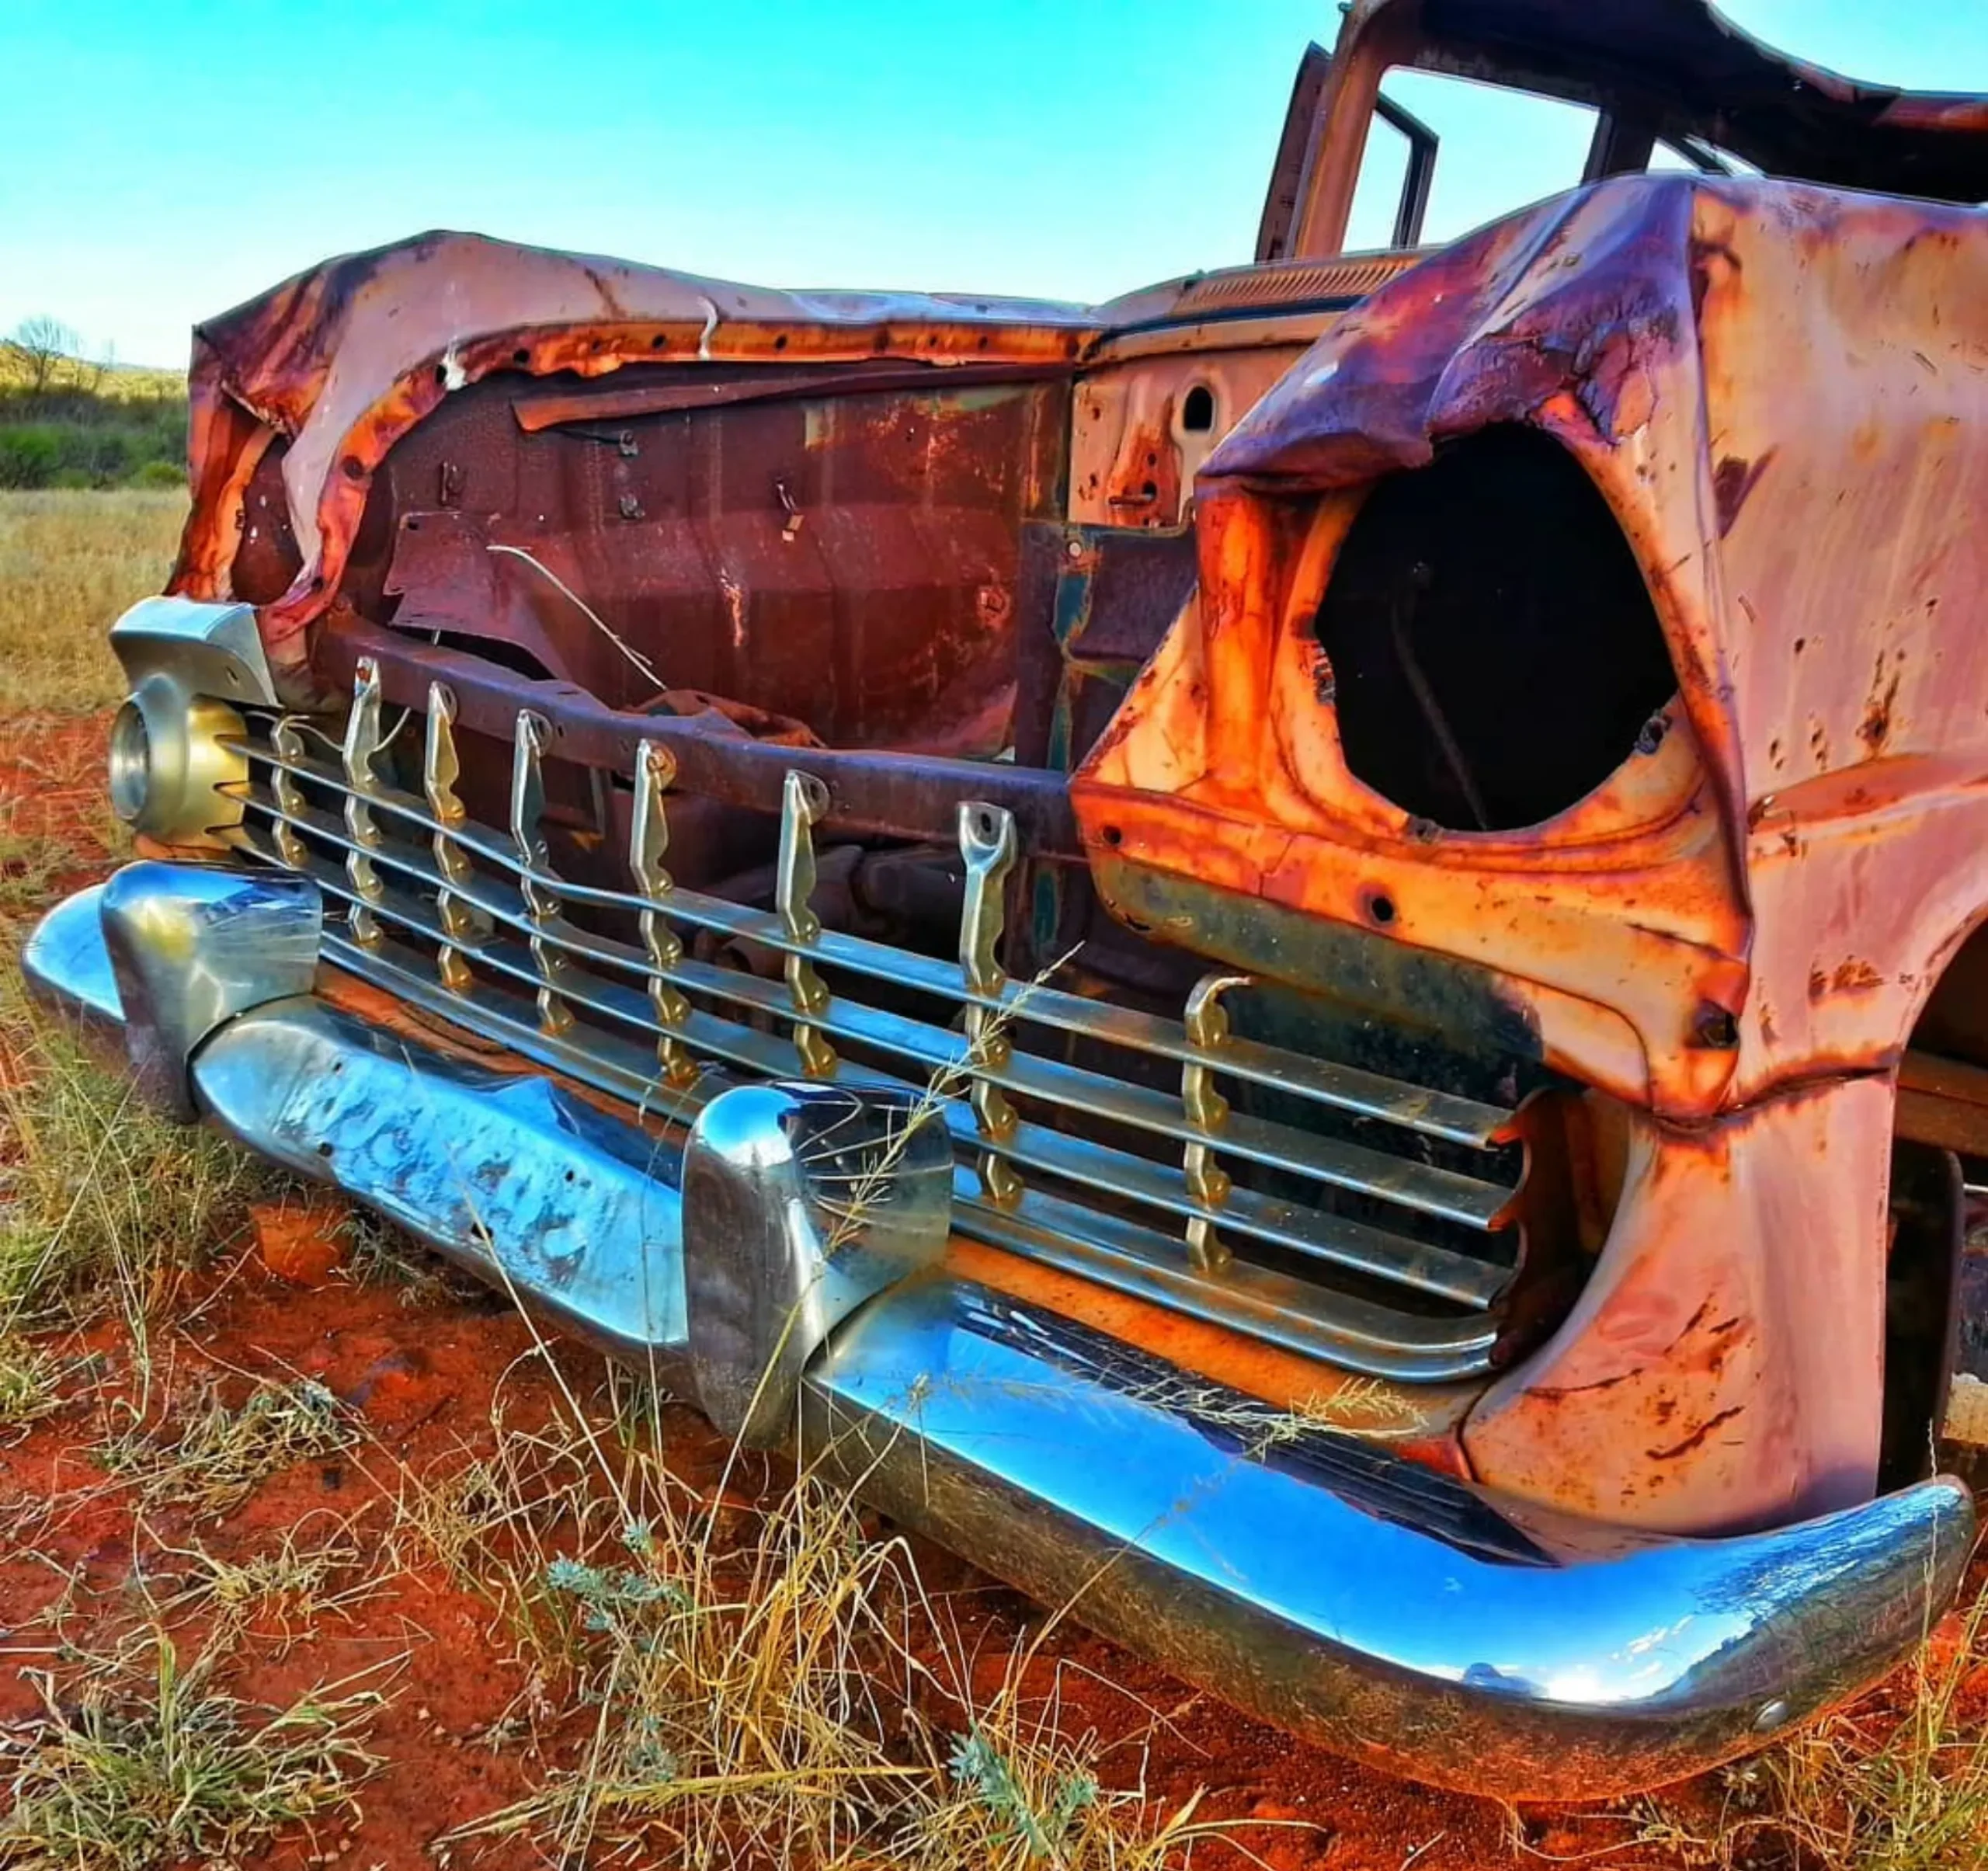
(1819, 687)
(1723, 1368)
(1133, 454)
(847, 560)
(409, 326)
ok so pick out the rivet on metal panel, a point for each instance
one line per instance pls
(648, 844)
(1206, 1022)
(287, 739)
(804, 802)
(361, 750)
(987, 846)
(542, 901)
(440, 768)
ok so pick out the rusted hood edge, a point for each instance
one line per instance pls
(1567, 301)
(344, 358)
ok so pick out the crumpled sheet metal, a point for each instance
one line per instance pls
(1676, 70)
(343, 360)
(1723, 1368)
(1780, 392)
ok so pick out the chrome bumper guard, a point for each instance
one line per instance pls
(783, 1266)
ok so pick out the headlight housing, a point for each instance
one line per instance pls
(177, 764)
(177, 769)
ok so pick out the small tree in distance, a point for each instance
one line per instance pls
(38, 345)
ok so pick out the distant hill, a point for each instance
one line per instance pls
(125, 381)
(70, 422)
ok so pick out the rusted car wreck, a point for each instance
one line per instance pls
(1421, 812)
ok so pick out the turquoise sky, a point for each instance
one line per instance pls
(160, 160)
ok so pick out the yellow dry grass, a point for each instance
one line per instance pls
(770, 1685)
(70, 561)
(151, 1762)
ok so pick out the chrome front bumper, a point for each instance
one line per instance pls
(1366, 1601)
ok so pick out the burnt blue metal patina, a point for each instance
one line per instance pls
(1024, 894)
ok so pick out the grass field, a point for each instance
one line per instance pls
(70, 561)
(314, 1554)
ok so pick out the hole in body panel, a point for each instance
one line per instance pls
(1493, 650)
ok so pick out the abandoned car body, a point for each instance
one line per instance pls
(1296, 955)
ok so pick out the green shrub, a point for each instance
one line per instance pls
(74, 436)
(157, 474)
(29, 454)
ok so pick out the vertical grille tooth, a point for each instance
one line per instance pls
(648, 846)
(361, 751)
(440, 769)
(804, 802)
(287, 740)
(1206, 1024)
(542, 901)
(987, 847)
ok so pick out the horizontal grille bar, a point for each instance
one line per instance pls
(1431, 1190)
(1443, 1115)
(475, 924)
(1071, 1237)
(1433, 1270)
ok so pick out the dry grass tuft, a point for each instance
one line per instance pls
(275, 1597)
(105, 1205)
(149, 1765)
(31, 862)
(69, 563)
(377, 1253)
(767, 1685)
(209, 1456)
(35, 1379)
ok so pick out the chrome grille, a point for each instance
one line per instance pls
(1094, 1173)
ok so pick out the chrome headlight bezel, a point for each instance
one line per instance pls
(177, 764)
(176, 760)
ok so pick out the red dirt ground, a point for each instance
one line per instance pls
(422, 1380)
